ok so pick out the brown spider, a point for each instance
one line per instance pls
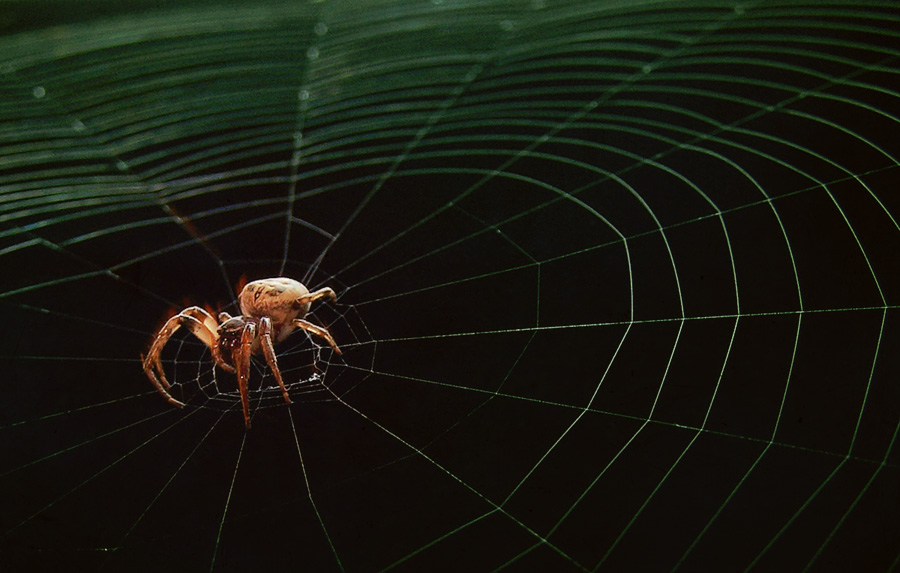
(270, 310)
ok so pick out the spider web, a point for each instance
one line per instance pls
(617, 284)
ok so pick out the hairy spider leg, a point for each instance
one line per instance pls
(317, 330)
(201, 324)
(265, 335)
(242, 364)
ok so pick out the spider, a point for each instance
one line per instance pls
(270, 310)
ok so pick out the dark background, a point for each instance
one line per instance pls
(618, 284)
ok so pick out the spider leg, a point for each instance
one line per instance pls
(317, 330)
(242, 364)
(201, 324)
(161, 385)
(220, 360)
(314, 296)
(265, 334)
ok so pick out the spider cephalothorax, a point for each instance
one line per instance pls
(270, 310)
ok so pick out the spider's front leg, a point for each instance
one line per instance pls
(242, 365)
(201, 324)
(265, 335)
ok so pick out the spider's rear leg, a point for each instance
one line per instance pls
(318, 331)
(265, 335)
(201, 324)
(311, 297)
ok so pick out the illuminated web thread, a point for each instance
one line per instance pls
(513, 121)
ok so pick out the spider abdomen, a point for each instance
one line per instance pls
(276, 298)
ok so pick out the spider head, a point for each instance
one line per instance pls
(232, 328)
(234, 324)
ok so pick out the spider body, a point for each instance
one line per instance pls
(270, 310)
(281, 300)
